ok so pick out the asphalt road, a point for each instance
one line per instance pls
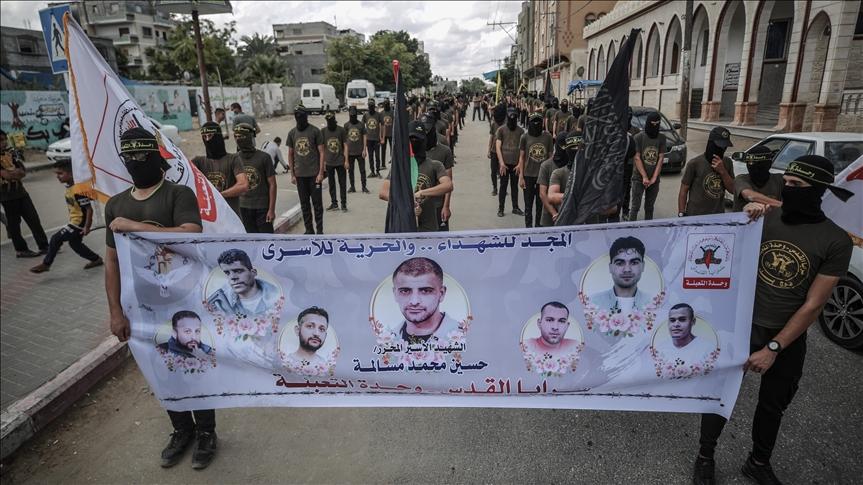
(115, 434)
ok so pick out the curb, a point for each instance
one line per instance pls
(29, 415)
(35, 167)
(286, 220)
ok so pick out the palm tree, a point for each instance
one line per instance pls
(265, 68)
(257, 44)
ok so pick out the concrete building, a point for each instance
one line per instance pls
(757, 66)
(132, 25)
(303, 45)
(524, 39)
(551, 32)
(24, 60)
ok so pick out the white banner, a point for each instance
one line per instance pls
(101, 110)
(644, 316)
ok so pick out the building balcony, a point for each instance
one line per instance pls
(110, 19)
(127, 40)
(163, 21)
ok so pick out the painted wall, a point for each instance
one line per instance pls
(34, 119)
(165, 104)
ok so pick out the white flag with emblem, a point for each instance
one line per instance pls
(102, 109)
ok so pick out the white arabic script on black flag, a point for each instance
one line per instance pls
(596, 183)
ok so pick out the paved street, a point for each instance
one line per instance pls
(114, 434)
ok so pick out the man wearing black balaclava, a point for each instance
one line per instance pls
(507, 142)
(803, 255)
(306, 157)
(258, 204)
(534, 149)
(496, 120)
(432, 184)
(628, 165)
(356, 141)
(648, 158)
(435, 150)
(563, 121)
(167, 207)
(387, 131)
(372, 120)
(557, 160)
(706, 178)
(225, 171)
(759, 185)
(336, 159)
(550, 114)
(563, 169)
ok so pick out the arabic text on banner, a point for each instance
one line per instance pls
(651, 315)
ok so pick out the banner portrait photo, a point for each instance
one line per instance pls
(643, 316)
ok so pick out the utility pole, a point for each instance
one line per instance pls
(685, 55)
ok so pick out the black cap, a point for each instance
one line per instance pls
(720, 136)
(299, 108)
(416, 130)
(244, 129)
(352, 110)
(330, 115)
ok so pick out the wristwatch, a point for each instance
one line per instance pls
(681, 214)
(774, 346)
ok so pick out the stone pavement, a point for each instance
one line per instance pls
(49, 320)
(114, 435)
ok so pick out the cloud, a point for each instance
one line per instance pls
(457, 38)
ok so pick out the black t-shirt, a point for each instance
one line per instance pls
(373, 126)
(334, 146)
(305, 146)
(790, 258)
(509, 143)
(222, 173)
(259, 168)
(355, 132)
(536, 150)
(171, 205)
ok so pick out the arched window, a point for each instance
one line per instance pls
(653, 53)
(673, 42)
(600, 64)
(590, 67)
(611, 55)
(635, 66)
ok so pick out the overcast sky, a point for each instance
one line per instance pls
(457, 39)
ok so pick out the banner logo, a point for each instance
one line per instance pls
(708, 262)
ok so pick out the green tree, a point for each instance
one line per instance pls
(348, 58)
(180, 55)
(473, 85)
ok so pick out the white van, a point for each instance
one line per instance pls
(358, 92)
(319, 97)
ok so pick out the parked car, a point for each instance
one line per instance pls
(62, 149)
(382, 96)
(839, 148)
(842, 317)
(675, 145)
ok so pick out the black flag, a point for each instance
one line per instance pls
(400, 211)
(549, 90)
(596, 182)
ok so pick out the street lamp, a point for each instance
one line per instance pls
(196, 8)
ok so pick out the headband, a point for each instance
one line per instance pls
(817, 176)
(139, 145)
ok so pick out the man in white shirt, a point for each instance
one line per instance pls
(272, 149)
